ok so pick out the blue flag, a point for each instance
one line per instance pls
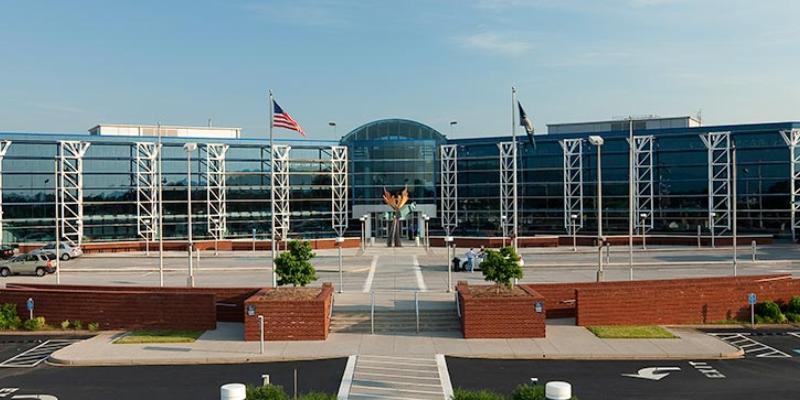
(525, 122)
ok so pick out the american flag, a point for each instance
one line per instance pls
(281, 119)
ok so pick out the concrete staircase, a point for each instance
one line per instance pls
(444, 322)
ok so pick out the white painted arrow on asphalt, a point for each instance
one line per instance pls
(653, 373)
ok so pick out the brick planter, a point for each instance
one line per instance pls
(289, 319)
(500, 317)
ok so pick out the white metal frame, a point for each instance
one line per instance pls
(448, 161)
(643, 181)
(216, 190)
(280, 185)
(508, 187)
(4, 145)
(70, 189)
(792, 138)
(573, 183)
(339, 189)
(146, 190)
(719, 180)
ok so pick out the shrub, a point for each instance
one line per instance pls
(529, 392)
(794, 305)
(793, 317)
(317, 396)
(94, 326)
(293, 267)
(501, 266)
(34, 324)
(770, 311)
(465, 394)
(268, 392)
(8, 317)
(65, 324)
(77, 324)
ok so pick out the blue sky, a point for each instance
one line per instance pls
(68, 65)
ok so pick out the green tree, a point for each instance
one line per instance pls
(293, 267)
(501, 266)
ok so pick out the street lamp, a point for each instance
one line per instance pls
(333, 124)
(451, 127)
(363, 220)
(189, 148)
(643, 217)
(427, 235)
(574, 232)
(505, 227)
(711, 226)
(598, 141)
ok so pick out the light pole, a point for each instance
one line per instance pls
(426, 218)
(711, 226)
(451, 127)
(363, 231)
(598, 141)
(630, 196)
(160, 211)
(643, 217)
(503, 224)
(189, 148)
(574, 232)
(735, 212)
(333, 124)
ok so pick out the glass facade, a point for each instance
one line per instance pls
(393, 154)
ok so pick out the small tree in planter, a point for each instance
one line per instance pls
(501, 266)
(293, 267)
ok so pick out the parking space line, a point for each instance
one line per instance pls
(750, 346)
(38, 354)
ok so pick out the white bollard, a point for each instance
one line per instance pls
(233, 391)
(558, 390)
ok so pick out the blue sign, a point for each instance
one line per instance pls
(30, 304)
(751, 299)
(538, 307)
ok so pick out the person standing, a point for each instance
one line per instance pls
(471, 260)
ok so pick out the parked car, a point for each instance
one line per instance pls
(6, 252)
(30, 263)
(68, 250)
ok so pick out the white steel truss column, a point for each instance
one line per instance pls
(216, 190)
(719, 180)
(508, 187)
(339, 189)
(573, 183)
(643, 181)
(448, 161)
(70, 190)
(4, 145)
(280, 184)
(792, 138)
(146, 190)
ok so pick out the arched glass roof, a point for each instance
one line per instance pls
(393, 129)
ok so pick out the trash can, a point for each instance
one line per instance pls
(233, 391)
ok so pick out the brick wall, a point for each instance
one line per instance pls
(692, 301)
(500, 317)
(119, 309)
(290, 319)
(229, 301)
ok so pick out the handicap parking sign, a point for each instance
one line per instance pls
(751, 299)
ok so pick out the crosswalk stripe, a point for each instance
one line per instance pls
(401, 378)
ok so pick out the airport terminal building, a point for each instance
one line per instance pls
(683, 177)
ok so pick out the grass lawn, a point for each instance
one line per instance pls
(158, 336)
(631, 332)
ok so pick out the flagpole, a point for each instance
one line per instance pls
(272, 189)
(514, 164)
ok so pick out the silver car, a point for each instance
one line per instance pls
(39, 264)
(68, 250)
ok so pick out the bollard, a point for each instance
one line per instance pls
(233, 391)
(416, 241)
(265, 379)
(608, 253)
(557, 390)
(753, 246)
(698, 236)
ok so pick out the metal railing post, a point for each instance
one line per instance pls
(261, 331)
(699, 233)
(372, 314)
(608, 253)
(753, 246)
(416, 307)
(458, 305)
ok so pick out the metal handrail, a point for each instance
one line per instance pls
(372, 314)
(330, 312)
(416, 307)
(458, 306)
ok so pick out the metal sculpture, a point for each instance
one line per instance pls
(396, 202)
